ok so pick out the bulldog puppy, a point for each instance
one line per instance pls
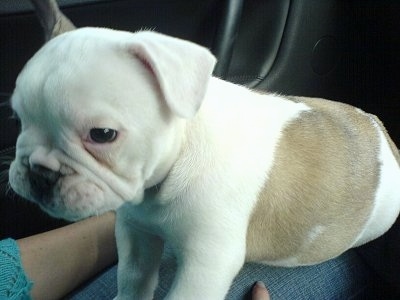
(221, 173)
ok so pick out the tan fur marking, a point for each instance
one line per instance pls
(305, 189)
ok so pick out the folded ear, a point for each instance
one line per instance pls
(182, 69)
(53, 21)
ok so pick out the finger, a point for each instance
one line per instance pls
(260, 292)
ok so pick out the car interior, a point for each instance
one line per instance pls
(347, 51)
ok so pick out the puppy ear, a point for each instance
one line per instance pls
(53, 21)
(182, 69)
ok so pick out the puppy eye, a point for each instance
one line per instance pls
(103, 135)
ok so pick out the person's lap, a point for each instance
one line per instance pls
(345, 277)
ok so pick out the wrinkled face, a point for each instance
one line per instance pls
(94, 129)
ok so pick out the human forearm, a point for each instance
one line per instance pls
(59, 260)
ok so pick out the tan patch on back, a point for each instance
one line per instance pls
(321, 188)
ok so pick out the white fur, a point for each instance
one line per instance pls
(387, 200)
(315, 232)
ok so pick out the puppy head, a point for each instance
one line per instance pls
(102, 115)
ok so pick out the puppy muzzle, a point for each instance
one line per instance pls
(42, 181)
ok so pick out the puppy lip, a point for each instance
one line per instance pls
(42, 182)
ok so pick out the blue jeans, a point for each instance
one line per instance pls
(345, 277)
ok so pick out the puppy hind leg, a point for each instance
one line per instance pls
(139, 257)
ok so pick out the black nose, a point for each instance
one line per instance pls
(42, 181)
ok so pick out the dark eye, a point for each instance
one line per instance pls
(103, 135)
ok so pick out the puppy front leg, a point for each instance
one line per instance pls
(139, 256)
(207, 270)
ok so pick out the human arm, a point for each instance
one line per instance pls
(58, 261)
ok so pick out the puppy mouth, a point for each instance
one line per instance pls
(43, 182)
(73, 192)
(59, 193)
(71, 197)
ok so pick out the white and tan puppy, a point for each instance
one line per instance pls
(222, 174)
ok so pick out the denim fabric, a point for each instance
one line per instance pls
(345, 277)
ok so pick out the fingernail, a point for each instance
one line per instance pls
(261, 284)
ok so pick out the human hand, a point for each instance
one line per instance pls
(260, 292)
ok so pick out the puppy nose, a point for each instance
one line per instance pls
(42, 181)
